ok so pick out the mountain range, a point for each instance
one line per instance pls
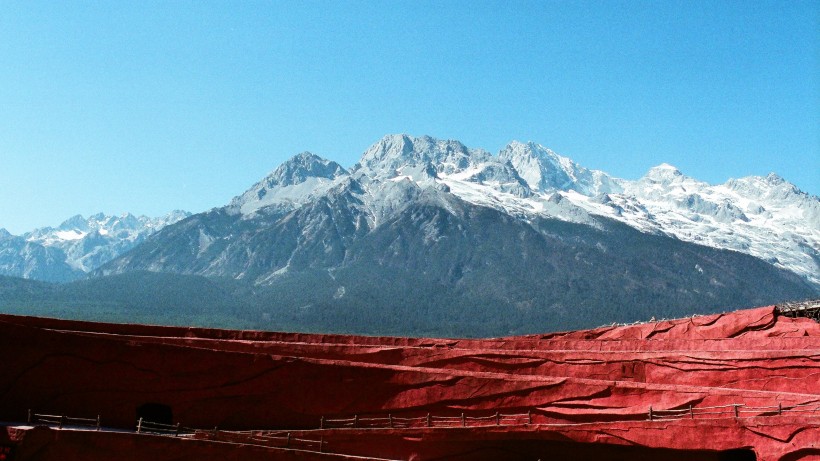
(428, 236)
(77, 246)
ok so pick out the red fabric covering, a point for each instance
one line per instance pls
(602, 381)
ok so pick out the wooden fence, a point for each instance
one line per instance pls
(391, 421)
(62, 420)
(270, 439)
(737, 410)
(150, 427)
(282, 439)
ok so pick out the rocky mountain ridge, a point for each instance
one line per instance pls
(766, 217)
(77, 246)
(431, 236)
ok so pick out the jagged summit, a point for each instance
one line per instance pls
(546, 171)
(293, 182)
(771, 186)
(396, 155)
(663, 173)
(302, 166)
(76, 222)
(78, 226)
(774, 179)
(78, 245)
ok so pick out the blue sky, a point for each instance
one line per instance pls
(145, 107)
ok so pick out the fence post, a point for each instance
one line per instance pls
(650, 412)
(736, 410)
(463, 420)
(29, 416)
(61, 421)
(176, 434)
(780, 408)
(355, 420)
(98, 422)
(390, 417)
(529, 416)
(139, 426)
(428, 419)
(287, 443)
(322, 422)
(497, 419)
(321, 444)
(691, 412)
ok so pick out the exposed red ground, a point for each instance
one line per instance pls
(743, 385)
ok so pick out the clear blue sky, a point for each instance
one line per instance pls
(146, 107)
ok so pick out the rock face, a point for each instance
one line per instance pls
(650, 390)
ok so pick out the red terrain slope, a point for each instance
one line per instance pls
(743, 385)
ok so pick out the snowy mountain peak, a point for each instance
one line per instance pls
(290, 184)
(770, 187)
(78, 227)
(302, 166)
(541, 168)
(78, 245)
(774, 179)
(663, 173)
(546, 171)
(76, 222)
(390, 156)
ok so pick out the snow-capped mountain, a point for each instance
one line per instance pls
(77, 246)
(546, 171)
(20, 258)
(768, 218)
(433, 232)
(427, 161)
(291, 184)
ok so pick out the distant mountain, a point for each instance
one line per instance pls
(430, 236)
(77, 246)
(21, 258)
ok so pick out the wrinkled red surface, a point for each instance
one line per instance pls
(588, 392)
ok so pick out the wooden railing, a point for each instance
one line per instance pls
(283, 439)
(270, 439)
(62, 420)
(150, 427)
(429, 420)
(737, 410)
